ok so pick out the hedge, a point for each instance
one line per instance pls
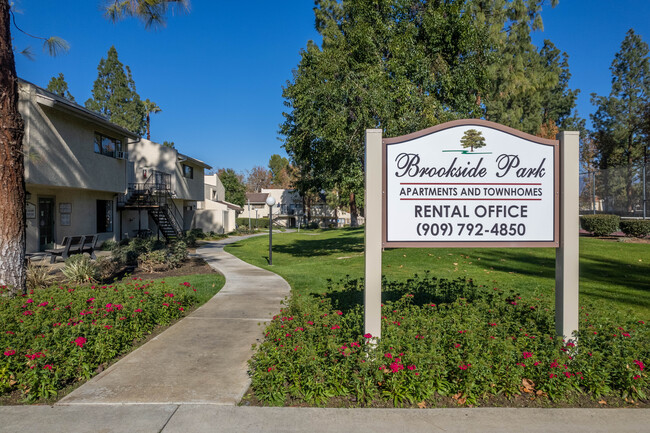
(635, 228)
(600, 225)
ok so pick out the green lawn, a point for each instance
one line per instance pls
(206, 285)
(611, 273)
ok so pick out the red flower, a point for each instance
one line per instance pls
(138, 310)
(368, 335)
(388, 355)
(80, 341)
(639, 363)
(27, 313)
(336, 327)
(10, 352)
(527, 355)
(411, 367)
(456, 345)
(29, 301)
(47, 367)
(43, 304)
(464, 366)
(181, 309)
(637, 377)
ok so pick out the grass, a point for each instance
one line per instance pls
(612, 274)
(206, 285)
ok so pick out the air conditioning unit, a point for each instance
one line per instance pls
(121, 155)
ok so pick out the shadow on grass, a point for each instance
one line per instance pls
(347, 243)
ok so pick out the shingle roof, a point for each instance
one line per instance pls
(256, 197)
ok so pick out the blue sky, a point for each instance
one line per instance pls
(217, 72)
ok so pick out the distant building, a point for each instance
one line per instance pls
(289, 210)
(214, 213)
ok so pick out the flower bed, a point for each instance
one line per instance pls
(443, 338)
(53, 337)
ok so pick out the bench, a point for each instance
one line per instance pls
(89, 243)
(70, 245)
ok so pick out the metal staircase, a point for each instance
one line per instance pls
(155, 197)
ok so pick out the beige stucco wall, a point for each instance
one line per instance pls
(213, 219)
(83, 218)
(148, 155)
(59, 149)
(214, 190)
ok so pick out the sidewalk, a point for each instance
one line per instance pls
(203, 358)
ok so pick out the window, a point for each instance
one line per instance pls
(104, 216)
(106, 145)
(188, 171)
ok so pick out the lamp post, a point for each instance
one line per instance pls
(270, 201)
(249, 215)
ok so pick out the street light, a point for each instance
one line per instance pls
(270, 201)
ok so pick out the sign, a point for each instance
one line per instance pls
(470, 183)
(65, 207)
(30, 211)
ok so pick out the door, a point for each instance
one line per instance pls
(45, 223)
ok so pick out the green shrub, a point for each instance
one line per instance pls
(600, 225)
(262, 223)
(153, 261)
(197, 233)
(635, 228)
(177, 254)
(107, 267)
(38, 277)
(79, 269)
(443, 338)
(109, 245)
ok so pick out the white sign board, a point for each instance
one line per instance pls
(470, 183)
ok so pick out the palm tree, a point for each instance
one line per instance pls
(151, 107)
(12, 170)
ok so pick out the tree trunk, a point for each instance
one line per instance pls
(12, 170)
(148, 123)
(354, 213)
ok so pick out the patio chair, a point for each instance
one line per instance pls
(70, 245)
(89, 243)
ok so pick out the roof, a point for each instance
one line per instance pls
(53, 100)
(231, 206)
(198, 162)
(256, 197)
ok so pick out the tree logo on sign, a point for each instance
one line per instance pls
(473, 139)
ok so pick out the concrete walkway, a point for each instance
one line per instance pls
(203, 358)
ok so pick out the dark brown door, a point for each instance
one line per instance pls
(46, 222)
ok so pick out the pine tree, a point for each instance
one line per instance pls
(115, 97)
(619, 118)
(59, 86)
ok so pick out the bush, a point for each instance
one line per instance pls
(109, 245)
(177, 254)
(262, 223)
(127, 253)
(600, 225)
(443, 338)
(197, 233)
(55, 337)
(107, 267)
(79, 269)
(310, 226)
(635, 228)
(153, 261)
(38, 277)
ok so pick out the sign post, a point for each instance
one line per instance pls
(472, 183)
(567, 254)
(374, 223)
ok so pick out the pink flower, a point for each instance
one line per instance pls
(171, 295)
(355, 344)
(527, 355)
(396, 366)
(90, 300)
(551, 376)
(138, 310)
(340, 313)
(107, 326)
(181, 309)
(29, 301)
(388, 355)
(637, 377)
(639, 363)
(310, 322)
(165, 304)
(80, 341)
(411, 367)
(456, 345)
(27, 313)
(464, 366)
(43, 304)
(47, 367)
(10, 352)
(336, 327)
(368, 335)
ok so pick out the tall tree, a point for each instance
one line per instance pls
(233, 183)
(403, 65)
(150, 107)
(282, 173)
(115, 97)
(12, 172)
(258, 178)
(59, 86)
(619, 118)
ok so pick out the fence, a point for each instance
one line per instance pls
(620, 191)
